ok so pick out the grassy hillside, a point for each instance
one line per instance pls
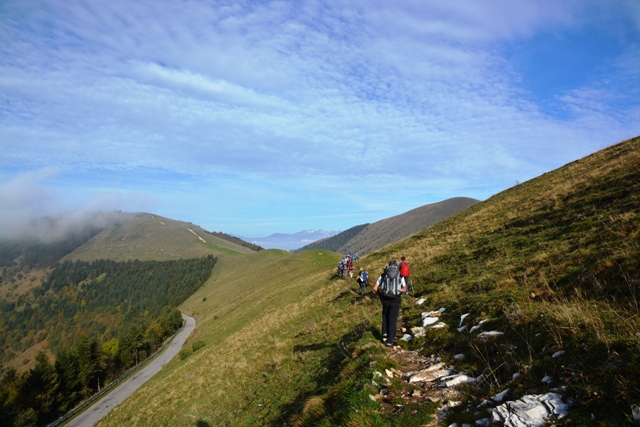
(334, 243)
(263, 318)
(552, 263)
(83, 236)
(390, 230)
(366, 238)
(152, 237)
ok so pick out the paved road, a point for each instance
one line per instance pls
(102, 407)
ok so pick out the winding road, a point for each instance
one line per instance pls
(102, 407)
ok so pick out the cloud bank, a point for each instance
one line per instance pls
(280, 112)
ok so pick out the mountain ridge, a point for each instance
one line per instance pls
(367, 238)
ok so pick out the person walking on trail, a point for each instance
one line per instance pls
(362, 280)
(405, 272)
(390, 285)
(350, 266)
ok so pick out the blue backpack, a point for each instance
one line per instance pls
(364, 276)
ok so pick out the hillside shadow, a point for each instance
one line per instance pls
(310, 347)
(202, 423)
(329, 375)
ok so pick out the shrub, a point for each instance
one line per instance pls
(197, 345)
(185, 352)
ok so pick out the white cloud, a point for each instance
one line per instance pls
(307, 92)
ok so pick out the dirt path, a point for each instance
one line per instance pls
(102, 407)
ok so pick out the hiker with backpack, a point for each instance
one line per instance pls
(362, 279)
(389, 286)
(350, 266)
(405, 272)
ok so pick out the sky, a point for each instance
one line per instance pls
(257, 117)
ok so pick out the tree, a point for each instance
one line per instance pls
(39, 390)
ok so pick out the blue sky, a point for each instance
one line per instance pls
(273, 116)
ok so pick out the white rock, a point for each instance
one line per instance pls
(479, 325)
(516, 375)
(454, 425)
(442, 412)
(635, 411)
(558, 354)
(429, 321)
(463, 317)
(372, 397)
(442, 310)
(462, 328)
(375, 383)
(439, 325)
(484, 336)
(498, 397)
(406, 337)
(420, 301)
(428, 376)
(456, 380)
(459, 356)
(389, 373)
(485, 422)
(547, 379)
(430, 314)
(377, 374)
(417, 329)
(435, 367)
(530, 411)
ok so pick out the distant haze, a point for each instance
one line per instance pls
(290, 242)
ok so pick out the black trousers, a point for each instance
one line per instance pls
(390, 311)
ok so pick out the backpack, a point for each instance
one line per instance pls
(405, 271)
(391, 281)
(364, 276)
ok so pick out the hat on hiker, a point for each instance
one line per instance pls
(393, 262)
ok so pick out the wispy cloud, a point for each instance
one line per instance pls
(304, 96)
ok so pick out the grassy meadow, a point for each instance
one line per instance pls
(553, 263)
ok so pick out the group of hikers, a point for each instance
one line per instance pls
(346, 265)
(394, 282)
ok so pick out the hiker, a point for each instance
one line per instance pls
(362, 279)
(349, 265)
(345, 266)
(405, 272)
(340, 268)
(390, 286)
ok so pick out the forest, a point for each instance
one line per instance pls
(99, 318)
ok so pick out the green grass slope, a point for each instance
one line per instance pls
(553, 263)
(391, 230)
(264, 319)
(334, 243)
(152, 237)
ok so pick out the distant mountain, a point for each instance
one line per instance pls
(111, 235)
(335, 243)
(146, 236)
(372, 237)
(289, 242)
